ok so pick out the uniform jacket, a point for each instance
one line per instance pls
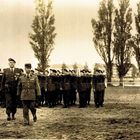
(66, 85)
(10, 78)
(28, 88)
(84, 83)
(51, 84)
(99, 82)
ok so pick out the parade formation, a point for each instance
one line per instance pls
(29, 90)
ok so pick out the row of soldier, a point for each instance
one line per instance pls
(57, 88)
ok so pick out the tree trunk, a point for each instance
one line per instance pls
(121, 81)
(109, 73)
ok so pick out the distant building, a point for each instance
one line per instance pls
(130, 73)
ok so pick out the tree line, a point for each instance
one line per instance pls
(112, 35)
(113, 38)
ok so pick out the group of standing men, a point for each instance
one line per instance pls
(15, 83)
(50, 89)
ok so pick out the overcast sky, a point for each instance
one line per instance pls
(73, 42)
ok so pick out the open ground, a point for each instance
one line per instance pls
(119, 119)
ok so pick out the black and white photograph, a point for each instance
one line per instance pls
(70, 69)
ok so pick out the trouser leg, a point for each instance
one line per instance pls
(26, 111)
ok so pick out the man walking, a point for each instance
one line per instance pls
(28, 88)
(9, 85)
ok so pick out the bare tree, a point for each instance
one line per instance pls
(102, 34)
(123, 38)
(136, 38)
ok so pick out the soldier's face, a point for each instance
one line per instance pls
(28, 70)
(11, 64)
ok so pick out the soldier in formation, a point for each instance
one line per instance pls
(43, 87)
(99, 87)
(84, 88)
(2, 95)
(63, 86)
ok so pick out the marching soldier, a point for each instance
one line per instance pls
(28, 87)
(9, 84)
(99, 87)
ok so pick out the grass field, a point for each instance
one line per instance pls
(119, 119)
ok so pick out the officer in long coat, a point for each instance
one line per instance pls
(28, 88)
(9, 85)
(99, 87)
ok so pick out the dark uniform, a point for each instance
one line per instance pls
(51, 90)
(58, 91)
(9, 84)
(99, 89)
(73, 89)
(2, 95)
(66, 87)
(88, 83)
(42, 82)
(84, 88)
(28, 88)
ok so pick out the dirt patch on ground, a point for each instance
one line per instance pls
(118, 119)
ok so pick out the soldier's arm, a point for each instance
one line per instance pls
(93, 83)
(2, 86)
(37, 86)
(105, 82)
(19, 87)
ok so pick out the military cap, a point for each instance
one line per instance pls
(74, 71)
(99, 69)
(28, 65)
(11, 59)
(32, 71)
(47, 71)
(53, 70)
(87, 71)
(82, 71)
(65, 70)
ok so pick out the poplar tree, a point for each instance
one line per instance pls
(43, 33)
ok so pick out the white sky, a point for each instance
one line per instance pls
(73, 42)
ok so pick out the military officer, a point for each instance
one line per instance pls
(28, 88)
(9, 85)
(99, 87)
